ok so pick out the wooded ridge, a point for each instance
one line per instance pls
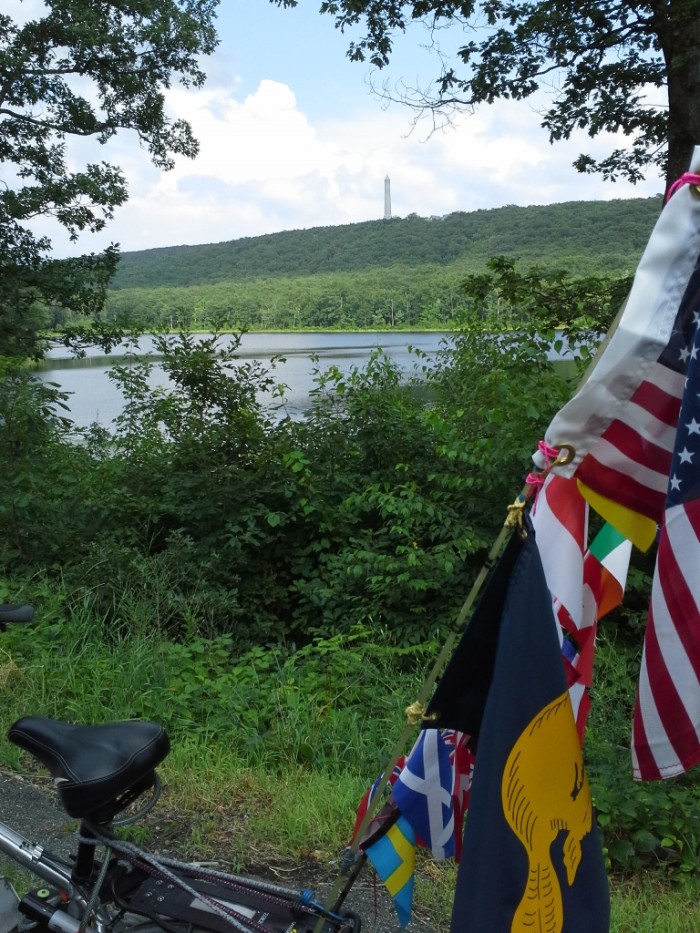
(599, 236)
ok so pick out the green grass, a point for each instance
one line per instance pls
(271, 751)
(644, 905)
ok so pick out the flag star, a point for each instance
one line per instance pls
(686, 456)
(684, 354)
(694, 353)
(696, 317)
(693, 427)
(675, 484)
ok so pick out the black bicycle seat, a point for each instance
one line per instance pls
(94, 766)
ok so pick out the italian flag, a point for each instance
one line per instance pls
(605, 568)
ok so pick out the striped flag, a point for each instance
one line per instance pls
(605, 571)
(666, 728)
(585, 583)
(630, 446)
(621, 422)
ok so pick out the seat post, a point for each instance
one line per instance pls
(85, 856)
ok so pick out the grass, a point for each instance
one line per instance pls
(645, 905)
(271, 752)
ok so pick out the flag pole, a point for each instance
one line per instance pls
(414, 713)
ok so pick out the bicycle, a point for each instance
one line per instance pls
(100, 771)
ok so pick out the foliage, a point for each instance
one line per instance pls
(383, 274)
(547, 299)
(601, 58)
(81, 70)
(596, 236)
(263, 575)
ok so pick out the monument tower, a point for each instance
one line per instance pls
(387, 198)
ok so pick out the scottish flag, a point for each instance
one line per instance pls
(431, 788)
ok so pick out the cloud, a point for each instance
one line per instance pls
(265, 165)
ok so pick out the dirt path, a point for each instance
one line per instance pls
(31, 808)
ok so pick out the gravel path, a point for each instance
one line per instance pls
(31, 808)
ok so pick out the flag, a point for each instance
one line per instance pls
(428, 799)
(621, 423)
(532, 858)
(459, 699)
(432, 790)
(585, 582)
(560, 519)
(666, 725)
(368, 799)
(624, 426)
(393, 856)
(605, 571)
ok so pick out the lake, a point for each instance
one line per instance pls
(94, 397)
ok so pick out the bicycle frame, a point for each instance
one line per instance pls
(51, 869)
(127, 886)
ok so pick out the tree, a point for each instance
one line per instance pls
(599, 58)
(82, 69)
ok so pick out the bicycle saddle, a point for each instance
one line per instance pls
(98, 770)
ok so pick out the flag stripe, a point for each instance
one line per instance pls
(666, 728)
(658, 754)
(676, 570)
(658, 396)
(642, 454)
(637, 347)
(560, 521)
(620, 486)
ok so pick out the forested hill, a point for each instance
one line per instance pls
(600, 234)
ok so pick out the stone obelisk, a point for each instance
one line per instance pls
(387, 198)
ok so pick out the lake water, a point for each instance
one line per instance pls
(94, 397)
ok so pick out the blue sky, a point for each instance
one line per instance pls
(292, 137)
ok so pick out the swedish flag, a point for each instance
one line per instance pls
(393, 856)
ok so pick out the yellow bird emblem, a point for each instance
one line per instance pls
(545, 791)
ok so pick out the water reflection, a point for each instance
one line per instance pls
(95, 398)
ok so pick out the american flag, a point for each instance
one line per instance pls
(623, 425)
(621, 422)
(630, 463)
(666, 728)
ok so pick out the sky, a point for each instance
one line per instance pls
(293, 136)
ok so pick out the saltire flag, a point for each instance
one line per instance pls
(432, 790)
(429, 793)
(666, 725)
(621, 422)
(532, 857)
(393, 856)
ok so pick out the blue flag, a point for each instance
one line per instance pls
(532, 858)
(393, 856)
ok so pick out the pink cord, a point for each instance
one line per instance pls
(536, 480)
(690, 178)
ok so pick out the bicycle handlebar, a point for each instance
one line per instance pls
(15, 612)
